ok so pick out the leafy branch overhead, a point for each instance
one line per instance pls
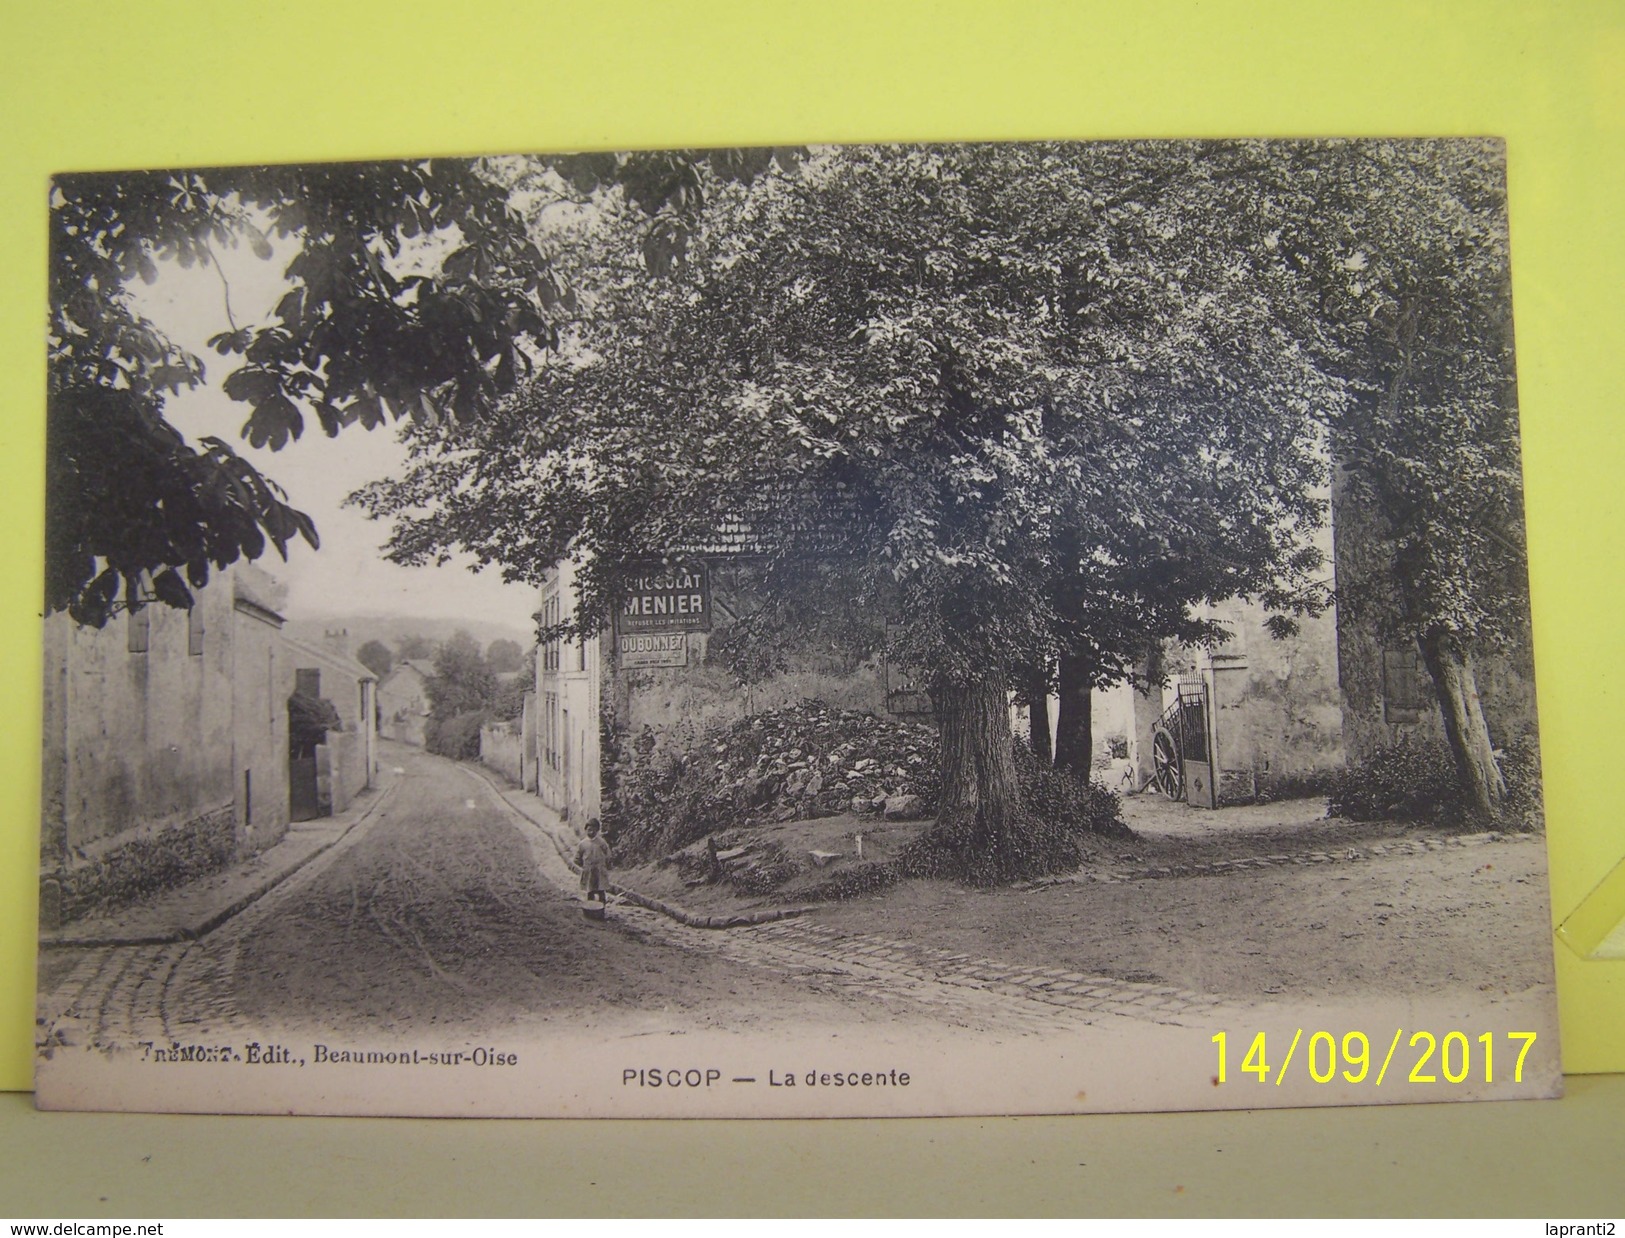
(1031, 396)
(415, 291)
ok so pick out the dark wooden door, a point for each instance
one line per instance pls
(302, 803)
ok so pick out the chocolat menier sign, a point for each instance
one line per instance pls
(659, 607)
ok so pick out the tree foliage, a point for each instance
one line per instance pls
(1021, 399)
(376, 657)
(1412, 306)
(414, 646)
(351, 342)
(416, 292)
(503, 655)
(1022, 384)
(310, 718)
(465, 694)
(462, 682)
(508, 701)
(1414, 309)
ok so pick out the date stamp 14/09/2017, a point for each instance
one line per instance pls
(1452, 1058)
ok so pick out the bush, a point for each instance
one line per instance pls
(1520, 766)
(654, 800)
(1065, 802)
(458, 736)
(1417, 782)
(147, 864)
(1274, 787)
(1407, 781)
(310, 718)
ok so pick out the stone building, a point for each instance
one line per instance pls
(328, 779)
(165, 744)
(1273, 724)
(403, 702)
(566, 728)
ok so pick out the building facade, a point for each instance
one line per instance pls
(403, 702)
(566, 728)
(165, 744)
(1274, 723)
(328, 780)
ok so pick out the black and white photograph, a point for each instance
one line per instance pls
(791, 632)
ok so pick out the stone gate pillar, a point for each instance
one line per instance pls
(1145, 708)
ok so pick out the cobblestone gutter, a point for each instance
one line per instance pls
(1213, 868)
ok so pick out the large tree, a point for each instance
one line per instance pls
(504, 655)
(1409, 298)
(414, 646)
(1026, 400)
(462, 681)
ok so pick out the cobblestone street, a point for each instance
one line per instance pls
(451, 906)
(422, 913)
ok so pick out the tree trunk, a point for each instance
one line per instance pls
(981, 800)
(1464, 727)
(1038, 732)
(1074, 734)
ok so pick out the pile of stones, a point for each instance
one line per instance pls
(812, 760)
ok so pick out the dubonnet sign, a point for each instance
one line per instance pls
(653, 648)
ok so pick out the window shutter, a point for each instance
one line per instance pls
(1401, 687)
(140, 630)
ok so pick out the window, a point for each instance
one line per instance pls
(1401, 687)
(194, 630)
(307, 681)
(551, 612)
(550, 731)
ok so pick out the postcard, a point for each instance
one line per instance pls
(790, 632)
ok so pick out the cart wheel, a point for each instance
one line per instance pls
(1168, 777)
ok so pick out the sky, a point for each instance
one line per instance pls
(348, 575)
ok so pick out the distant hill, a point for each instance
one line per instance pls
(392, 629)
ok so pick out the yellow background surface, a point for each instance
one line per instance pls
(92, 85)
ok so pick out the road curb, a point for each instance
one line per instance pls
(1397, 848)
(214, 921)
(743, 919)
(215, 918)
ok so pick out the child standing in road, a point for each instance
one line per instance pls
(593, 857)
